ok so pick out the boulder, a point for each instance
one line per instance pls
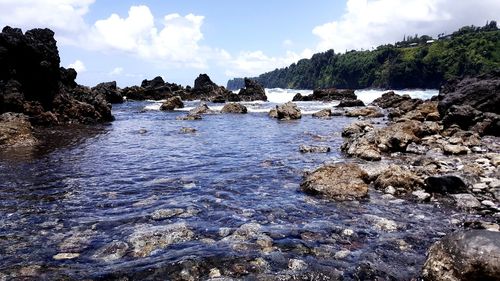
(324, 113)
(172, 103)
(15, 130)
(402, 179)
(110, 92)
(189, 117)
(351, 103)
(273, 113)
(464, 255)
(338, 181)
(331, 94)
(357, 128)
(445, 184)
(288, 111)
(370, 112)
(253, 91)
(234, 108)
(201, 109)
(205, 89)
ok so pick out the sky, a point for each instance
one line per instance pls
(128, 41)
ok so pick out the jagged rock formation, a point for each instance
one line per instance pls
(327, 95)
(253, 91)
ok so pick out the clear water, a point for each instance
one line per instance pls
(88, 186)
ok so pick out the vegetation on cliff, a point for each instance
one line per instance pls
(415, 62)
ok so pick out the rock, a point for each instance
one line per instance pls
(189, 117)
(382, 223)
(398, 177)
(155, 89)
(445, 184)
(403, 103)
(66, 256)
(148, 238)
(110, 92)
(357, 128)
(338, 181)
(32, 82)
(186, 130)
(234, 108)
(370, 112)
(314, 149)
(273, 113)
(323, 113)
(201, 109)
(172, 103)
(205, 89)
(464, 255)
(466, 201)
(111, 252)
(297, 265)
(351, 103)
(15, 130)
(454, 149)
(288, 111)
(327, 95)
(162, 214)
(421, 195)
(253, 91)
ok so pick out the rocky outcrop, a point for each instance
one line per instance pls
(205, 89)
(253, 91)
(351, 103)
(110, 92)
(15, 130)
(172, 103)
(234, 108)
(327, 95)
(287, 111)
(338, 181)
(464, 255)
(155, 89)
(33, 83)
(472, 104)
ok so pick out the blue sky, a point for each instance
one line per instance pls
(129, 41)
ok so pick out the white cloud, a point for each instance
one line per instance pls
(78, 65)
(116, 71)
(65, 17)
(369, 23)
(287, 43)
(175, 41)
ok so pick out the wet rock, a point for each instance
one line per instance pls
(66, 256)
(201, 109)
(369, 112)
(162, 214)
(421, 195)
(314, 149)
(253, 91)
(466, 201)
(205, 89)
(273, 113)
(327, 95)
(111, 252)
(417, 149)
(110, 92)
(454, 149)
(234, 108)
(403, 103)
(172, 103)
(324, 113)
(402, 179)
(189, 117)
(380, 223)
(15, 130)
(186, 130)
(148, 238)
(351, 103)
(342, 254)
(297, 265)
(288, 111)
(445, 184)
(464, 255)
(338, 181)
(357, 128)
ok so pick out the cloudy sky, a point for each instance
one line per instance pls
(130, 40)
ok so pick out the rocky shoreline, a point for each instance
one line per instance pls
(440, 151)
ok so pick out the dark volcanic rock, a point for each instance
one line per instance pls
(172, 103)
(15, 130)
(234, 108)
(327, 95)
(351, 103)
(253, 91)
(472, 103)
(402, 104)
(464, 255)
(110, 91)
(445, 184)
(205, 89)
(33, 83)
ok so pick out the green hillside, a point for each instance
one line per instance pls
(416, 62)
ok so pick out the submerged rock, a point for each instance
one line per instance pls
(148, 238)
(111, 252)
(189, 117)
(338, 181)
(323, 113)
(234, 108)
(288, 111)
(201, 109)
(314, 149)
(465, 255)
(172, 103)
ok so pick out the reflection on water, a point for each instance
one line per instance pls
(138, 198)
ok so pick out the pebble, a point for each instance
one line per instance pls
(421, 195)
(214, 273)
(297, 265)
(390, 190)
(66, 256)
(488, 203)
(347, 232)
(466, 201)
